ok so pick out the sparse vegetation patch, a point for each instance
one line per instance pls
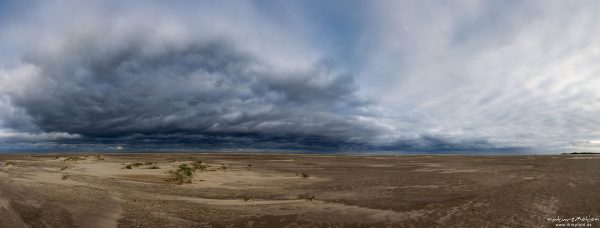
(136, 164)
(307, 197)
(223, 167)
(184, 174)
(199, 166)
(74, 158)
(148, 165)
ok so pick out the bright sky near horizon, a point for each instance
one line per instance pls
(418, 76)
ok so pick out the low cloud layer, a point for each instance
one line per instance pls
(200, 87)
(477, 76)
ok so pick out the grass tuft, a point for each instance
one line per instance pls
(184, 174)
(199, 166)
(74, 158)
(136, 164)
(307, 197)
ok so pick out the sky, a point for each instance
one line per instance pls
(401, 76)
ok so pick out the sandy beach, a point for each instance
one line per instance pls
(273, 190)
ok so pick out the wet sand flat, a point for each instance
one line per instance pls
(282, 190)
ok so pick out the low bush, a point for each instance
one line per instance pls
(136, 164)
(307, 197)
(74, 158)
(184, 174)
(197, 165)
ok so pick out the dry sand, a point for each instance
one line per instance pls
(268, 190)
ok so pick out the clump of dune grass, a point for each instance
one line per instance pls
(99, 157)
(198, 165)
(223, 167)
(148, 165)
(135, 164)
(65, 176)
(7, 163)
(63, 168)
(74, 158)
(184, 174)
(307, 197)
(304, 175)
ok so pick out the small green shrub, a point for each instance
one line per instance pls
(198, 165)
(307, 197)
(136, 164)
(74, 158)
(184, 174)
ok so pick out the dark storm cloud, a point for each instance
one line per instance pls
(198, 88)
(198, 95)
